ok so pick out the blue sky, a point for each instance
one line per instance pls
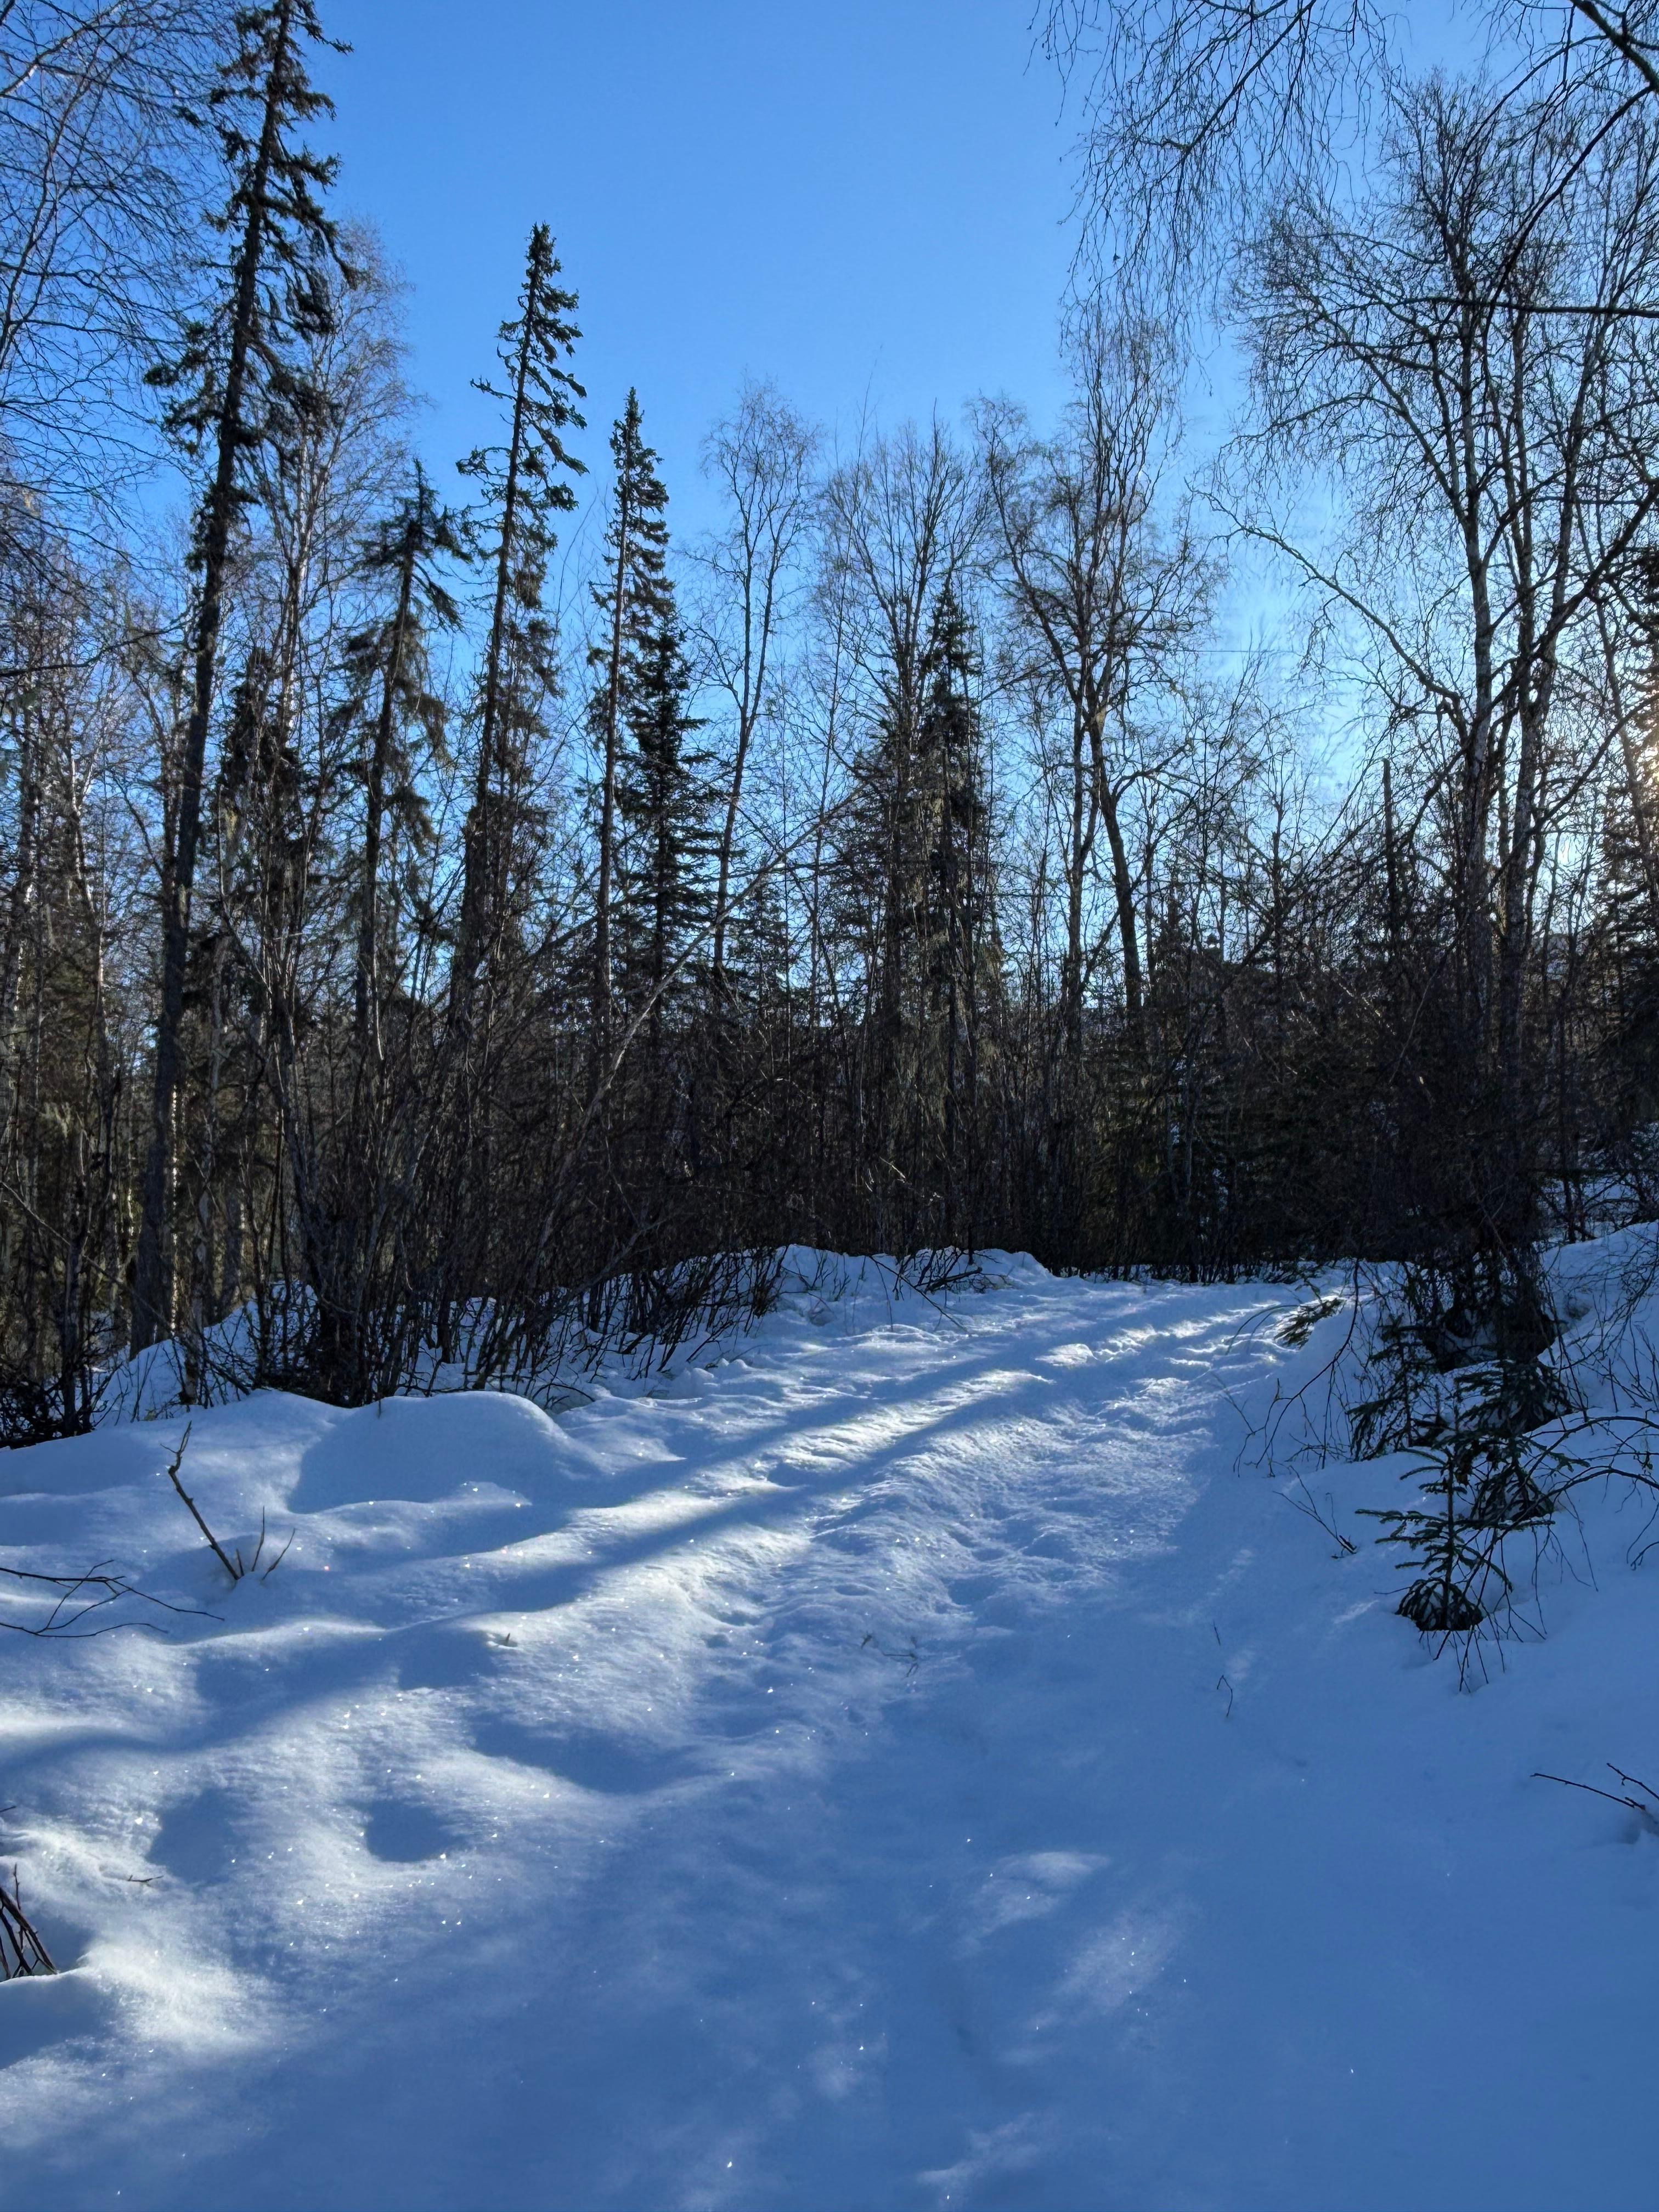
(866, 200)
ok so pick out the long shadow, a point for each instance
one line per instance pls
(381, 1656)
(781, 1505)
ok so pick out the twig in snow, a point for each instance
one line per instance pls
(21, 1951)
(66, 1616)
(1648, 1807)
(214, 1545)
(1309, 1505)
(911, 1660)
(236, 1567)
(1221, 1681)
(281, 1555)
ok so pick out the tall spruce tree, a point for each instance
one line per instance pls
(388, 694)
(913, 892)
(637, 602)
(669, 837)
(524, 485)
(237, 387)
(954, 923)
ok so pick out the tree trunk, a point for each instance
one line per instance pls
(151, 1304)
(478, 887)
(601, 1006)
(366, 984)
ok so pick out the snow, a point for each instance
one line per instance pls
(911, 1756)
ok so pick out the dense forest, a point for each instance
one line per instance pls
(437, 941)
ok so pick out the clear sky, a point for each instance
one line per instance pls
(866, 200)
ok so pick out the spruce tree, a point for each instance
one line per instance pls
(954, 922)
(236, 388)
(913, 874)
(387, 666)
(669, 836)
(525, 484)
(636, 600)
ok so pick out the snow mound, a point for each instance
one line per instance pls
(428, 1449)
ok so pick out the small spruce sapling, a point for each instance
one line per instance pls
(1465, 1386)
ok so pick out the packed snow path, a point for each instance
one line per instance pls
(909, 1762)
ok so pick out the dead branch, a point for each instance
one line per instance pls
(65, 1616)
(232, 1562)
(21, 1951)
(214, 1545)
(1650, 1810)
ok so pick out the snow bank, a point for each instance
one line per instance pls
(905, 1757)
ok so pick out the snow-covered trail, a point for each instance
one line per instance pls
(905, 1764)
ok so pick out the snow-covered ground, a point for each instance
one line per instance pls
(911, 1760)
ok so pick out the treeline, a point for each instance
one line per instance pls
(430, 944)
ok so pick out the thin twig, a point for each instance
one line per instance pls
(1635, 1804)
(280, 1557)
(59, 1622)
(17, 1934)
(174, 1466)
